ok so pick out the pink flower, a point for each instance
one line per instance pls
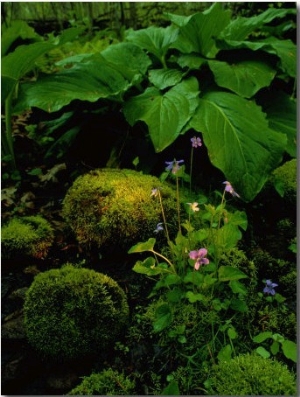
(230, 189)
(196, 142)
(199, 257)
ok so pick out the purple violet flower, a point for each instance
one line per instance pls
(269, 288)
(229, 188)
(159, 228)
(196, 142)
(199, 257)
(173, 165)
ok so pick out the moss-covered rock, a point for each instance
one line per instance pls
(26, 236)
(111, 207)
(252, 375)
(72, 312)
(285, 180)
(109, 382)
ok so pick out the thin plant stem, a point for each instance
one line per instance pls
(178, 204)
(164, 217)
(166, 259)
(191, 168)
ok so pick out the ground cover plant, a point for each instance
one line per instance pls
(149, 223)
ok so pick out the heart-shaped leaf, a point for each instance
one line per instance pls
(165, 114)
(239, 140)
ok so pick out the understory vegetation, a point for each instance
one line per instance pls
(149, 187)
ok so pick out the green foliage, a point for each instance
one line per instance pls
(251, 374)
(192, 307)
(72, 312)
(112, 206)
(288, 347)
(109, 382)
(28, 235)
(206, 71)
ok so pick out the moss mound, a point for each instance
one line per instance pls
(26, 236)
(252, 375)
(285, 180)
(106, 383)
(72, 312)
(111, 207)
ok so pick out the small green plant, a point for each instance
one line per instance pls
(72, 312)
(26, 236)
(109, 382)
(193, 276)
(251, 374)
(110, 207)
(278, 343)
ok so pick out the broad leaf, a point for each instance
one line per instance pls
(163, 316)
(191, 61)
(89, 80)
(16, 64)
(286, 51)
(192, 297)
(199, 32)
(128, 59)
(225, 353)
(281, 112)
(154, 39)
(244, 78)
(262, 336)
(237, 287)
(229, 273)
(165, 114)
(263, 352)
(17, 29)
(147, 267)
(239, 140)
(163, 78)
(241, 27)
(290, 350)
(144, 246)
(228, 236)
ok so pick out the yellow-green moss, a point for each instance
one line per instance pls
(114, 207)
(73, 312)
(285, 180)
(28, 236)
(109, 382)
(252, 375)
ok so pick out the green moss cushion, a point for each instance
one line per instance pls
(252, 375)
(115, 208)
(72, 312)
(26, 236)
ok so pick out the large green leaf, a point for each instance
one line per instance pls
(165, 114)
(198, 32)
(129, 59)
(244, 78)
(163, 78)
(154, 39)
(241, 27)
(286, 51)
(281, 112)
(239, 140)
(17, 29)
(87, 81)
(16, 64)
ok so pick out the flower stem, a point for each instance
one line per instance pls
(164, 217)
(191, 168)
(178, 204)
